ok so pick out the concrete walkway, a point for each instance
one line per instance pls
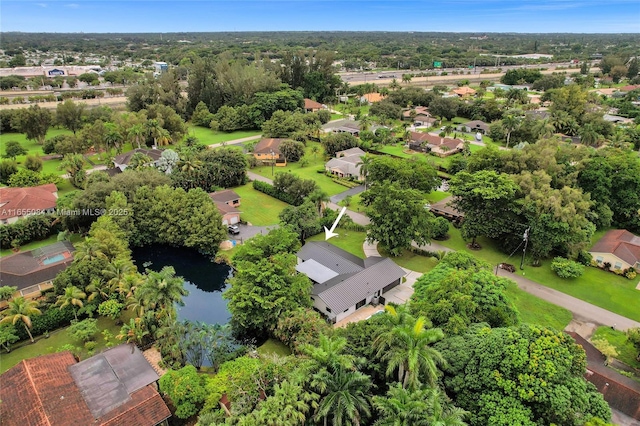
(255, 176)
(582, 311)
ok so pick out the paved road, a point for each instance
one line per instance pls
(235, 141)
(351, 191)
(581, 310)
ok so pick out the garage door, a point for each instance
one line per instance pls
(234, 220)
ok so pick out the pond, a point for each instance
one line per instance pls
(204, 279)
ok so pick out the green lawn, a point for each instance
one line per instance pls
(626, 351)
(398, 150)
(436, 196)
(316, 162)
(56, 340)
(272, 346)
(534, 310)
(350, 241)
(604, 289)
(412, 261)
(209, 137)
(75, 238)
(258, 208)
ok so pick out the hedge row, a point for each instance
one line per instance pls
(32, 228)
(271, 191)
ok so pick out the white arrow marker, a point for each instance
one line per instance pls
(328, 233)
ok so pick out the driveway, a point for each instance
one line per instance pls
(351, 191)
(248, 231)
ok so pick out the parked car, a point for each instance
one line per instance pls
(234, 229)
(507, 267)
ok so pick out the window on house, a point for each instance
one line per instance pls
(328, 310)
(599, 259)
(618, 265)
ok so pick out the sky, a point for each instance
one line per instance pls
(475, 16)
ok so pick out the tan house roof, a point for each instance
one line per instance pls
(420, 110)
(621, 243)
(43, 391)
(310, 104)
(464, 91)
(373, 97)
(17, 202)
(266, 145)
(225, 196)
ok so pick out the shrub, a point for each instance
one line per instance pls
(33, 163)
(50, 320)
(7, 169)
(84, 330)
(185, 388)
(440, 228)
(585, 258)
(566, 268)
(110, 308)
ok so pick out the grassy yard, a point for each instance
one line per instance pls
(604, 289)
(412, 261)
(534, 310)
(56, 340)
(258, 208)
(75, 238)
(350, 241)
(316, 162)
(626, 351)
(272, 346)
(209, 137)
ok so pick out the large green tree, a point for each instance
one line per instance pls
(486, 199)
(34, 122)
(524, 375)
(69, 115)
(266, 285)
(453, 298)
(398, 217)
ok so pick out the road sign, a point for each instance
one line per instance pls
(437, 64)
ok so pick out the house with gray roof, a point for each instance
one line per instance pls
(344, 283)
(346, 164)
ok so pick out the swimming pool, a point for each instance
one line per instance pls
(53, 259)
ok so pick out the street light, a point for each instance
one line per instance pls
(273, 160)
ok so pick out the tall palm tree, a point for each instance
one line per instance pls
(510, 122)
(136, 133)
(319, 198)
(116, 272)
(163, 289)
(406, 348)
(153, 127)
(401, 407)
(163, 138)
(99, 289)
(589, 135)
(21, 310)
(394, 85)
(441, 411)
(88, 250)
(365, 165)
(72, 296)
(344, 399)
(133, 332)
(327, 354)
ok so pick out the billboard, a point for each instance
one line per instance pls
(55, 72)
(437, 64)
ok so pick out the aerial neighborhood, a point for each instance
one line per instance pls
(375, 229)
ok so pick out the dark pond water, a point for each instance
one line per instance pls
(204, 279)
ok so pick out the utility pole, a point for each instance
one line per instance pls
(525, 237)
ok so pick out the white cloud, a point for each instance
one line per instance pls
(41, 4)
(72, 5)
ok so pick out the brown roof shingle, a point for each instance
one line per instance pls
(224, 196)
(41, 391)
(311, 104)
(266, 145)
(27, 268)
(15, 202)
(620, 243)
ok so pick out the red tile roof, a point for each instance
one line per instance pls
(464, 91)
(41, 391)
(311, 104)
(620, 243)
(266, 145)
(16, 202)
(435, 141)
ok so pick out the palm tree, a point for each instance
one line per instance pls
(345, 399)
(328, 354)
(510, 122)
(153, 128)
(72, 297)
(406, 349)
(406, 78)
(402, 407)
(448, 129)
(544, 128)
(588, 135)
(394, 85)
(129, 284)
(98, 289)
(162, 290)
(164, 137)
(116, 272)
(315, 149)
(22, 310)
(441, 411)
(88, 250)
(319, 198)
(136, 133)
(365, 165)
(133, 332)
